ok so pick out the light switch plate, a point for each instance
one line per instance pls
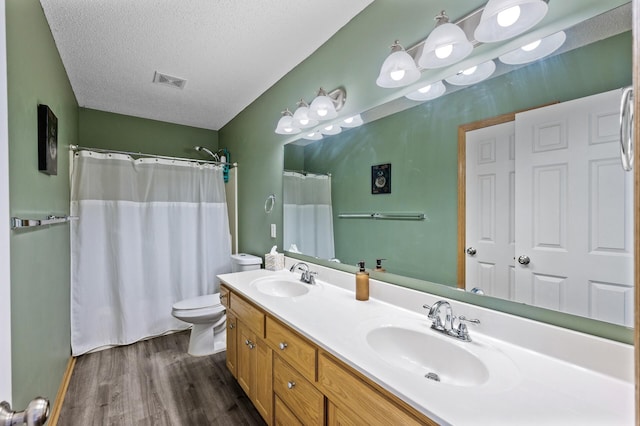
(273, 230)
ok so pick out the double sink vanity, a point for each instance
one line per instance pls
(312, 354)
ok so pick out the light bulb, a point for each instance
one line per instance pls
(348, 120)
(304, 121)
(397, 75)
(470, 71)
(531, 46)
(443, 52)
(322, 112)
(329, 128)
(288, 129)
(425, 89)
(509, 16)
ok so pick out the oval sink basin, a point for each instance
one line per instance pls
(436, 358)
(281, 287)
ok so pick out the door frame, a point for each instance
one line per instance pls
(5, 264)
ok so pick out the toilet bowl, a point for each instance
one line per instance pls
(208, 334)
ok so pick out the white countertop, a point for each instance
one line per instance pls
(579, 380)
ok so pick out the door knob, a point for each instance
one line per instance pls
(524, 260)
(35, 414)
(471, 251)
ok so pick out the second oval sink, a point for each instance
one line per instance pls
(281, 287)
(430, 356)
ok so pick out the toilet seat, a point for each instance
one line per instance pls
(208, 304)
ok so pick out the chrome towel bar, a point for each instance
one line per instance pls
(392, 216)
(17, 222)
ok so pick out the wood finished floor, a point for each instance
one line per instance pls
(155, 382)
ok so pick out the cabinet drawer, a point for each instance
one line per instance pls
(357, 400)
(284, 416)
(224, 296)
(251, 316)
(294, 349)
(299, 395)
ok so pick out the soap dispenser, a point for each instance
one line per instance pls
(362, 283)
(379, 267)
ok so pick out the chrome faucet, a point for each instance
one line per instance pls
(307, 276)
(444, 321)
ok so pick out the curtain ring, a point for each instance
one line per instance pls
(269, 203)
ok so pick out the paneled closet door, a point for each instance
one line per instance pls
(574, 210)
(489, 216)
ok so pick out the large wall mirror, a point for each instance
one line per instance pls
(331, 212)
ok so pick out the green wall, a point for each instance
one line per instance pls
(99, 129)
(40, 330)
(421, 145)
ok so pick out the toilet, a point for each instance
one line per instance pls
(208, 316)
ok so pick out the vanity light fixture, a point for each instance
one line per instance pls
(326, 105)
(353, 121)
(445, 45)
(399, 69)
(331, 129)
(301, 117)
(473, 74)
(428, 92)
(285, 124)
(534, 51)
(312, 136)
(504, 19)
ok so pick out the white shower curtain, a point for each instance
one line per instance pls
(150, 232)
(308, 214)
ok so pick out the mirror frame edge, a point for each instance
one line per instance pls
(636, 134)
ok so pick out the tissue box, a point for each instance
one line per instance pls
(274, 262)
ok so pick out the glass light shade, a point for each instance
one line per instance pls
(426, 93)
(312, 136)
(331, 129)
(285, 126)
(301, 118)
(398, 70)
(473, 74)
(529, 53)
(446, 45)
(353, 121)
(504, 19)
(322, 108)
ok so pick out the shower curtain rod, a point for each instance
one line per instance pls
(304, 172)
(141, 154)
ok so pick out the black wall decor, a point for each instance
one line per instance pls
(381, 179)
(47, 141)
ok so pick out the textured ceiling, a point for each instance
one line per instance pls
(229, 51)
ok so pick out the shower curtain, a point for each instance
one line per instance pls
(150, 232)
(308, 215)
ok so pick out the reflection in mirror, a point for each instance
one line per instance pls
(421, 144)
(548, 212)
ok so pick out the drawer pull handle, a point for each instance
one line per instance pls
(250, 344)
(283, 346)
(291, 385)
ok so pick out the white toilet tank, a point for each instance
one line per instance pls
(245, 262)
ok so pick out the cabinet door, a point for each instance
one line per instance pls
(246, 359)
(283, 416)
(336, 417)
(232, 343)
(263, 395)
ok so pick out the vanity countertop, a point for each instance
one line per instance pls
(526, 386)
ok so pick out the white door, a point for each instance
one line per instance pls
(574, 214)
(5, 276)
(489, 212)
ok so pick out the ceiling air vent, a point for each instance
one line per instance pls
(168, 80)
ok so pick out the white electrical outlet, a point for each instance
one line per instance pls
(273, 230)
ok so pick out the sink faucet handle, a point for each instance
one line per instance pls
(473, 321)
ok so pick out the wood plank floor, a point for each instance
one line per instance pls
(155, 382)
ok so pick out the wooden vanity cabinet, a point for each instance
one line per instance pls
(291, 382)
(249, 358)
